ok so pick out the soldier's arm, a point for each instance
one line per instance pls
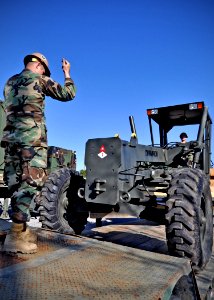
(54, 90)
(66, 68)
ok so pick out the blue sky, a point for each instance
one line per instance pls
(126, 56)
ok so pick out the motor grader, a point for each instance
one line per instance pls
(167, 182)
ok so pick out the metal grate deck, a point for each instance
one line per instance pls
(72, 267)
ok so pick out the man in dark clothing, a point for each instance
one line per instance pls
(25, 141)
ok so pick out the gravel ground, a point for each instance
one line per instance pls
(108, 220)
(112, 218)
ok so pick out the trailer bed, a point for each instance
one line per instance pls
(92, 267)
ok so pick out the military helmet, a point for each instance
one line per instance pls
(38, 57)
(183, 135)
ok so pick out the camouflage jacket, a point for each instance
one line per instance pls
(24, 106)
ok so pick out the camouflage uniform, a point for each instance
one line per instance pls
(25, 135)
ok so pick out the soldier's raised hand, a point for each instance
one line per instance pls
(66, 67)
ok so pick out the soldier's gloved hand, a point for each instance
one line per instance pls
(66, 67)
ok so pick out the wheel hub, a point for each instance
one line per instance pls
(65, 203)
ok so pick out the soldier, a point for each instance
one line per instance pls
(25, 141)
(183, 137)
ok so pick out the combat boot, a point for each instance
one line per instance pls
(17, 240)
(29, 235)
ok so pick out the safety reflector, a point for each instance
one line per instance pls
(198, 105)
(152, 112)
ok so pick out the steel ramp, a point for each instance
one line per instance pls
(74, 267)
(70, 267)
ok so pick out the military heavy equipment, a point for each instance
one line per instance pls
(167, 182)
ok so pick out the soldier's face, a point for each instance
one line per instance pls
(41, 69)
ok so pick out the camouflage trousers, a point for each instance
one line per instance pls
(24, 173)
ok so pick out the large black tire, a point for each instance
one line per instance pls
(60, 208)
(189, 221)
(185, 289)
